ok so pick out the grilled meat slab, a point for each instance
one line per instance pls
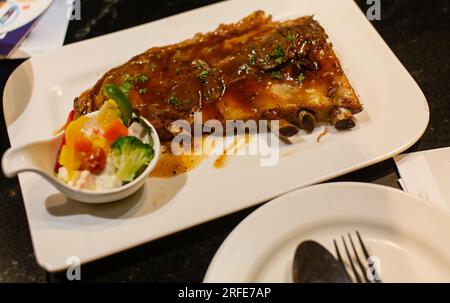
(253, 69)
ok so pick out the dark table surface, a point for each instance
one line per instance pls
(417, 31)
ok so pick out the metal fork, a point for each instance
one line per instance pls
(360, 269)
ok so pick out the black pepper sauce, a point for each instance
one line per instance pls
(246, 93)
(233, 54)
(239, 71)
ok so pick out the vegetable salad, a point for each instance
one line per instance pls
(106, 149)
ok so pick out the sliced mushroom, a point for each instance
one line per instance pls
(307, 120)
(342, 118)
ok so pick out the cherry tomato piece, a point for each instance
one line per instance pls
(94, 160)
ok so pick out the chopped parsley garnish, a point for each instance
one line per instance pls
(142, 78)
(276, 74)
(128, 82)
(142, 90)
(126, 87)
(279, 51)
(158, 56)
(200, 64)
(278, 55)
(300, 79)
(174, 100)
(279, 60)
(203, 74)
(290, 37)
(153, 66)
(301, 63)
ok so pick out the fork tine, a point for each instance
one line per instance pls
(366, 253)
(355, 272)
(341, 261)
(339, 255)
(361, 265)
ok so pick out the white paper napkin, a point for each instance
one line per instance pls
(427, 175)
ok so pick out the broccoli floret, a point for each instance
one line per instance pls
(131, 156)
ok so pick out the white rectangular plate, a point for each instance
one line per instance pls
(39, 94)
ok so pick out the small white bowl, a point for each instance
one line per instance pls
(40, 157)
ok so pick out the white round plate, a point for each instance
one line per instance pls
(408, 235)
(17, 13)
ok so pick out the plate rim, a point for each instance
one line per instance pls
(285, 197)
